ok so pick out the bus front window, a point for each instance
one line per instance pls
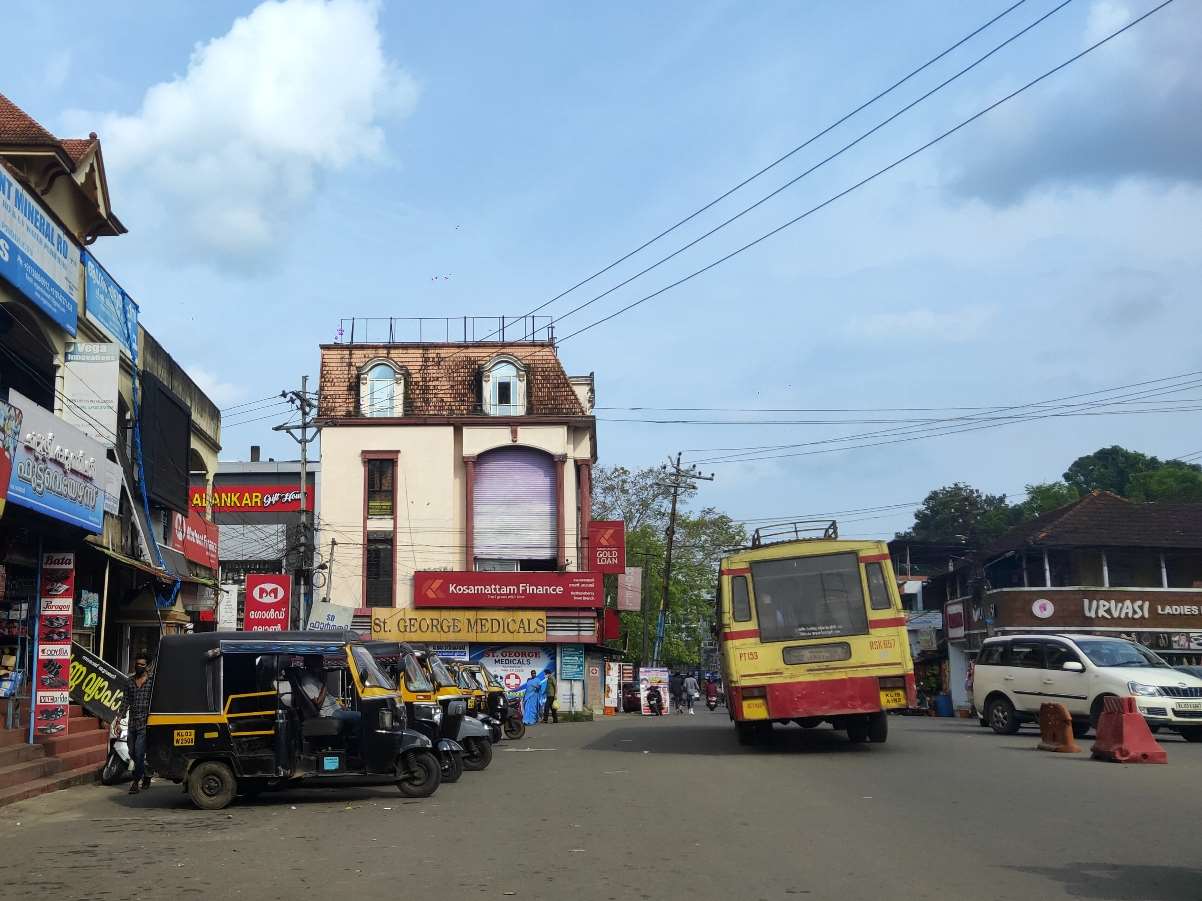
(809, 597)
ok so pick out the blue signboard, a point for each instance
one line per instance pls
(109, 306)
(57, 470)
(36, 256)
(571, 661)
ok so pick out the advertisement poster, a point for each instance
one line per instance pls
(630, 589)
(613, 684)
(37, 257)
(227, 608)
(267, 606)
(195, 537)
(58, 471)
(97, 686)
(654, 679)
(571, 661)
(108, 306)
(55, 612)
(506, 589)
(404, 624)
(607, 546)
(90, 387)
(249, 499)
(512, 663)
(328, 617)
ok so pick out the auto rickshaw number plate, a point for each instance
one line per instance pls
(183, 738)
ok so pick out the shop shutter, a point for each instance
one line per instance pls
(514, 505)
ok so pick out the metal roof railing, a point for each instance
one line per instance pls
(802, 530)
(446, 330)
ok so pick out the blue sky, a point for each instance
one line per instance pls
(286, 164)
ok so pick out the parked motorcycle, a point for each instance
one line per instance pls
(119, 764)
(515, 729)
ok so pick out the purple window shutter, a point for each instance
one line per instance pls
(514, 505)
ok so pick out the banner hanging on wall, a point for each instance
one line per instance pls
(90, 389)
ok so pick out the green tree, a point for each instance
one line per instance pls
(1173, 482)
(1109, 469)
(961, 514)
(1044, 497)
(637, 497)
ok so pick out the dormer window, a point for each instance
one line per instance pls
(504, 386)
(381, 390)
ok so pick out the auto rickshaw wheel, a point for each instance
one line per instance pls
(514, 728)
(477, 754)
(452, 767)
(420, 774)
(211, 785)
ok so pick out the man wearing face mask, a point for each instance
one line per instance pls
(137, 702)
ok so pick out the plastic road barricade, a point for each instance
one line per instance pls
(1124, 736)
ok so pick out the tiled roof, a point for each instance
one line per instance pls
(18, 127)
(1102, 519)
(444, 379)
(77, 147)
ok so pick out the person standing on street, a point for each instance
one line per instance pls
(691, 690)
(551, 687)
(137, 702)
(675, 682)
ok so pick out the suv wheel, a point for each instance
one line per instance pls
(1192, 733)
(1002, 717)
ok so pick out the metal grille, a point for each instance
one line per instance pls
(1174, 691)
(515, 505)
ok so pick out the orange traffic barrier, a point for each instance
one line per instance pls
(1124, 736)
(1056, 729)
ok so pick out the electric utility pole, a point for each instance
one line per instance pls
(677, 480)
(304, 565)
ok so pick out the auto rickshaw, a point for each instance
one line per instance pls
(477, 698)
(231, 713)
(422, 709)
(497, 702)
(468, 731)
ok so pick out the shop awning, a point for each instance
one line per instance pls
(126, 561)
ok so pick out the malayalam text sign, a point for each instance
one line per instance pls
(328, 617)
(607, 546)
(491, 589)
(98, 686)
(392, 624)
(268, 601)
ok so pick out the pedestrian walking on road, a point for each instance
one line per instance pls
(137, 702)
(691, 690)
(675, 686)
(551, 686)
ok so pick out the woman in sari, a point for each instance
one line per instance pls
(533, 688)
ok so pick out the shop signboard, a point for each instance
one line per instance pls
(107, 305)
(10, 434)
(56, 606)
(1110, 609)
(654, 677)
(227, 608)
(512, 663)
(571, 661)
(402, 624)
(96, 685)
(630, 588)
(953, 619)
(195, 537)
(613, 684)
(90, 374)
(607, 546)
(36, 256)
(268, 602)
(58, 471)
(248, 498)
(328, 617)
(449, 651)
(507, 589)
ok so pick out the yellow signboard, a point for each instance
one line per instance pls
(391, 624)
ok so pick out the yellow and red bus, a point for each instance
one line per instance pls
(812, 630)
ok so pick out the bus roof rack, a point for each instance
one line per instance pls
(804, 530)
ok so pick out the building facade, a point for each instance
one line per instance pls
(455, 498)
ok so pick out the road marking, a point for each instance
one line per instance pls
(520, 750)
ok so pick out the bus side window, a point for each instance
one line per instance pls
(878, 589)
(740, 603)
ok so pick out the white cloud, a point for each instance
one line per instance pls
(959, 324)
(220, 392)
(218, 160)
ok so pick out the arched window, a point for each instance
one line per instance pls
(381, 390)
(504, 388)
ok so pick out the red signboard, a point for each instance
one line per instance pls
(488, 589)
(267, 606)
(249, 498)
(56, 608)
(607, 546)
(195, 537)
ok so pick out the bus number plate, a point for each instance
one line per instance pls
(893, 697)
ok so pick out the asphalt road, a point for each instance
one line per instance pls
(632, 808)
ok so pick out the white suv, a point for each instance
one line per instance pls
(1014, 674)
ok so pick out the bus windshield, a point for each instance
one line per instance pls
(809, 597)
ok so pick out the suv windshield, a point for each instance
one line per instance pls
(369, 670)
(1109, 652)
(809, 597)
(415, 676)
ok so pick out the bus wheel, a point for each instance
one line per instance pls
(878, 728)
(211, 785)
(857, 729)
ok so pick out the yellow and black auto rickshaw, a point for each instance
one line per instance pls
(503, 716)
(240, 712)
(475, 737)
(422, 708)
